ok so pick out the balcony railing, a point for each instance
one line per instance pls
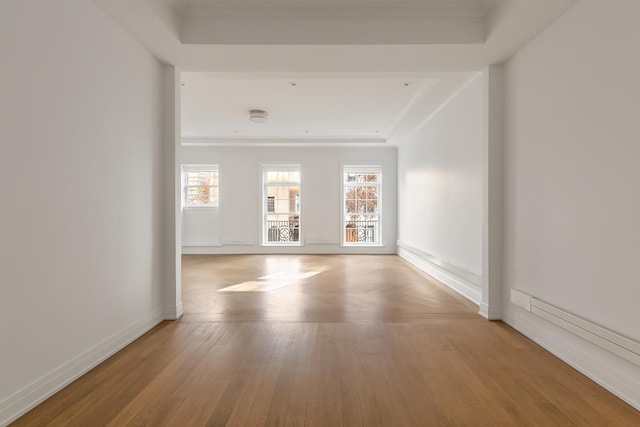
(355, 231)
(283, 231)
(361, 231)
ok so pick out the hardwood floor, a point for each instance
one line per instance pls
(328, 341)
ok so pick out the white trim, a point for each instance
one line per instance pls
(490, 313)
(174, 312)
(319, 242)
(204, 167)
(306, 249)
(521, 299)
(201, 208)
(28, 397)
(232, 242)
(605, 338)
(465, 282)
(469, 275)
(281, 142)
(616, 374)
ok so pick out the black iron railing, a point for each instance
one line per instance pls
(283, 231)
(361, 231)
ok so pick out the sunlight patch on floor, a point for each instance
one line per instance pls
(274, 281)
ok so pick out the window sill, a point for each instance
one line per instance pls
(198, 208)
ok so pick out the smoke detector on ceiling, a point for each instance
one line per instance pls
(258, 116)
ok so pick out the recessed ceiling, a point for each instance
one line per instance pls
(330, 9)
(338, 109)
(330, 21)
(236, 55)
(325, 108)
(332, 35)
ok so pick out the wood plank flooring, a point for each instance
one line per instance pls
(328, 341)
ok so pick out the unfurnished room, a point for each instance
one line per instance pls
(319, 213)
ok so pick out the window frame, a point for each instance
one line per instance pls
(360, 168)
(264, 229)
(209, 167)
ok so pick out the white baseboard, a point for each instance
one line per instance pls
(490, 313)
(25, 399)
(453, 279)
(173, 312)
(616, 374)
(317, 248)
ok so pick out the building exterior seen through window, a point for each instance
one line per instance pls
(201, 186)
(281, 204)
(361, 205)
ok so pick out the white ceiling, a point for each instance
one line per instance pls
(360, 109)
(292, 35)
(330, 8)
(350, 59)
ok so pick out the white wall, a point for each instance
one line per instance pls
(440, 191)
(80, 164)
(572, 169)
(236, 223)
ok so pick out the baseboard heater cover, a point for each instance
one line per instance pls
(605, 338)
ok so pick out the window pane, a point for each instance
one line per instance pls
(371, 177)
(372, 192)
(286, 198)
(193, 196)
(207, 196)
(213, 196)
(349, 192)
(372, 206)
(273, 176)
(201, 186)
(197, 196)
(202, 178)
(350, 205)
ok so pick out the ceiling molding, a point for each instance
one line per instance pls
(335, 9)
(314, 31)
(507, 26)
(274, 142)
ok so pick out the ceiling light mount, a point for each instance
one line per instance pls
(258, 116)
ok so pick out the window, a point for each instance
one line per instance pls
(281, 204)
(201, 186)
(361, 205)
